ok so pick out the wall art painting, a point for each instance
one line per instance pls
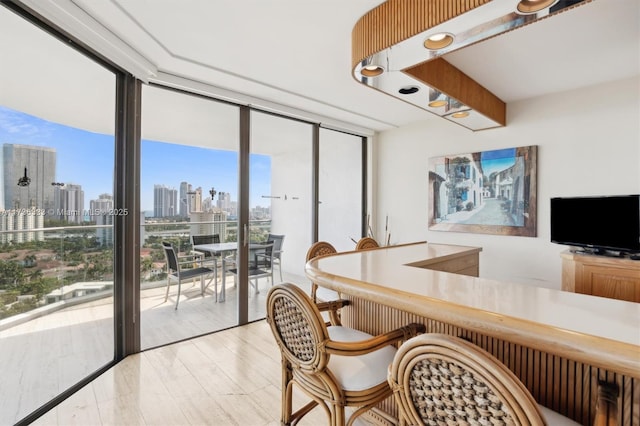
(489, 192)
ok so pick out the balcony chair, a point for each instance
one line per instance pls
(442, 379)
(366, 243)
(207, 239)
(275, 256)
(335, 366)
(176, 269)
(264, 269)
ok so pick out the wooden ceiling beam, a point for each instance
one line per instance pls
(444, 77)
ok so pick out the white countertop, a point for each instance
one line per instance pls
(526, 314)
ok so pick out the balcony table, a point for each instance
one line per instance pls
(223, 249)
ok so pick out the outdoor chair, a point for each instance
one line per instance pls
(257, 271)
(206, 239)
(442, 379)
(274, 257)
(177, 268)
(335, 366)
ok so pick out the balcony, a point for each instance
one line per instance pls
(57, 307)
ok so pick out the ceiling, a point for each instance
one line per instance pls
(298, 53)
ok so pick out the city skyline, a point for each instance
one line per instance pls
(86, 158)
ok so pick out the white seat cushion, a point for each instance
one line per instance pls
(361, 372)
(555, 419)
(326, 294)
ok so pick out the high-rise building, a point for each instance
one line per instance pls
(184, 209)
(69, 203)
(165, 201)
(21, 219)
(196, 200)
(224, 201)
(100, 212)
(208, 223)
(104, 203)
(38, 165)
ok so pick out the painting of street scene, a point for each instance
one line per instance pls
(491, 192)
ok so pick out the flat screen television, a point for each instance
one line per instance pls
(607, 225)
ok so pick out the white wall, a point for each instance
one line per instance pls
(588, 144)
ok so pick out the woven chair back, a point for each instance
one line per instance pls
(320, 248)
(440, 379)
(367, 243)
(297, 327)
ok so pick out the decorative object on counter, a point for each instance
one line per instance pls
(487, 192)
(370, 236)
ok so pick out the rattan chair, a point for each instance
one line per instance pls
(366, 243)
(335, 366)
(320, 248)
(439, 379)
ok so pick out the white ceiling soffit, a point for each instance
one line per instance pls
(294, 55)
(169, 42)
(66, 15)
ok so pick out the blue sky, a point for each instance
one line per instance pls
(86, 158)
(497, 160)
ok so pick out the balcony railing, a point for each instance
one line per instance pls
(47, 269)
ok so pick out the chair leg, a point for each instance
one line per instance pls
(337, 415)
(280, 270)
(178, 296)
(215, 286)
(287, 401)
(166, 294)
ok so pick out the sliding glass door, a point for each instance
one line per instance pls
(341, 189)
(205, 165)
(280, 203)
(189, 187)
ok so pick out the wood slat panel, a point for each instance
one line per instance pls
(566, 386)
(396, 20)
(441, 75)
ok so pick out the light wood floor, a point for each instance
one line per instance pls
(231, 377)
(44, 356)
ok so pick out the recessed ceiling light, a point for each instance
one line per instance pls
(408, 90)
(461, 114)
(438, 41)
(437, 104)
(371, 70)
(527, 7)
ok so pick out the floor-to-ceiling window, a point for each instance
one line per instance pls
(189, 187)
(57, 115)
(280, 195)
(340, 188)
